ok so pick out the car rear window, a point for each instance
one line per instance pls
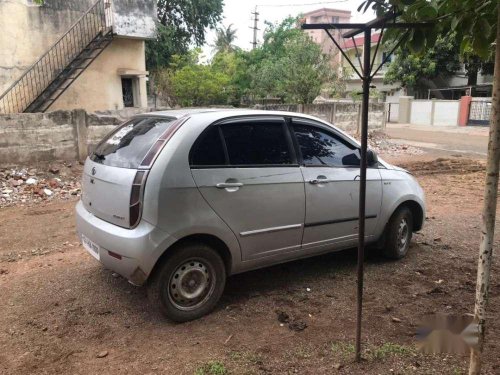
(127, 146)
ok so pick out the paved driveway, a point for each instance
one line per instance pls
(462, 140)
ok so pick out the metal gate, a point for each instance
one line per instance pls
(479, 112)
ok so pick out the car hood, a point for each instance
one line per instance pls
(392, 166)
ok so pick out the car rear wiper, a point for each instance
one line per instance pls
(99, 156)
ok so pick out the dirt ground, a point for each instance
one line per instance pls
(62, 312)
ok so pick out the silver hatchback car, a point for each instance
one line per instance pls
(180, 199)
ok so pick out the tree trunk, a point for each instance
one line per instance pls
(472, 77)
(488, 216)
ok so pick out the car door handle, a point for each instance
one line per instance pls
(319, 180)
(225, 185)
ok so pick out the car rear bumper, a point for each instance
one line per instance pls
(131, 253)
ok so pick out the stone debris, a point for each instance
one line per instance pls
(28, 186)
(297, 325)
(381, 144)
(102, 354)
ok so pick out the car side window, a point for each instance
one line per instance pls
(322, 148)
(256, 143)
(209, 150)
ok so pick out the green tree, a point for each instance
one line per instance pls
(189, 83)
(182, 23)
(474, 64)
(234, 65)
(224, 39)
(412, 70)
(475, 27)
(288, 65)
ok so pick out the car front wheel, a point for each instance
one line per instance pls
(399, 232)
(189, 283)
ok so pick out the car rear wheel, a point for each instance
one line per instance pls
(399, 232)
(189, 283)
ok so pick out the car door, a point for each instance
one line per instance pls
(330, 166)
(253, 182)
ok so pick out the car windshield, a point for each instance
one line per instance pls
(127, 146)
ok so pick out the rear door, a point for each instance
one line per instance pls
(331, 180)
(109, 173)
(247, 171)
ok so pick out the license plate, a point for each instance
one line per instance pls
(90, 246)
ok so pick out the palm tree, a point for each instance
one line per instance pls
(225, 38)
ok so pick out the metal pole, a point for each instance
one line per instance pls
(362, 184)
(255, 20)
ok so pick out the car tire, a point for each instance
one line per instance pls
(188, 283)
(399, 231)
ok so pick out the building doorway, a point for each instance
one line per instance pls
(128, 92)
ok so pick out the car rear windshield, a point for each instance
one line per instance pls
(127, 146)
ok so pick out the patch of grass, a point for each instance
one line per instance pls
(254, 358)
(212, 368)
(343, 349)
(236, 355)
(246, 357)
(346, 350)
(303, 351)
(388, 349)
(457, 371)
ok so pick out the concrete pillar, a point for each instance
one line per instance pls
(463, 112)
(333, 111)
(142, 93)
(433, 107)
(404, 114)
(80, 124)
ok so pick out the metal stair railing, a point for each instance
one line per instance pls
(96, 21)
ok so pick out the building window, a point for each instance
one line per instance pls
(384, 56)
(335, 19)
(128, 92)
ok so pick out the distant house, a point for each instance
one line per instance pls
(327, 15)
(354, 50)
(69, 54)
(451, 87)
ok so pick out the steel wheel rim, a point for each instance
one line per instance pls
(403, 235)
(191, 284)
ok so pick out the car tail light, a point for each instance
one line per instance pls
(155, 150)
(135, 207)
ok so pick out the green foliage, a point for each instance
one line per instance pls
(181, 23)
(39, 2)
(411, 68)
(288, 65)
(193, 84)
(225, 38)
(212, 368)
(345, 350)
(160, 50)
(473, 22)
(389, 349)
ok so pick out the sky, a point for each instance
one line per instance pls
(238, 13)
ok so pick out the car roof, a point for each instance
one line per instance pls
(177, 113)
(222, 112)
(215, 114)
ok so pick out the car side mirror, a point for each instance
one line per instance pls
(371, 158)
